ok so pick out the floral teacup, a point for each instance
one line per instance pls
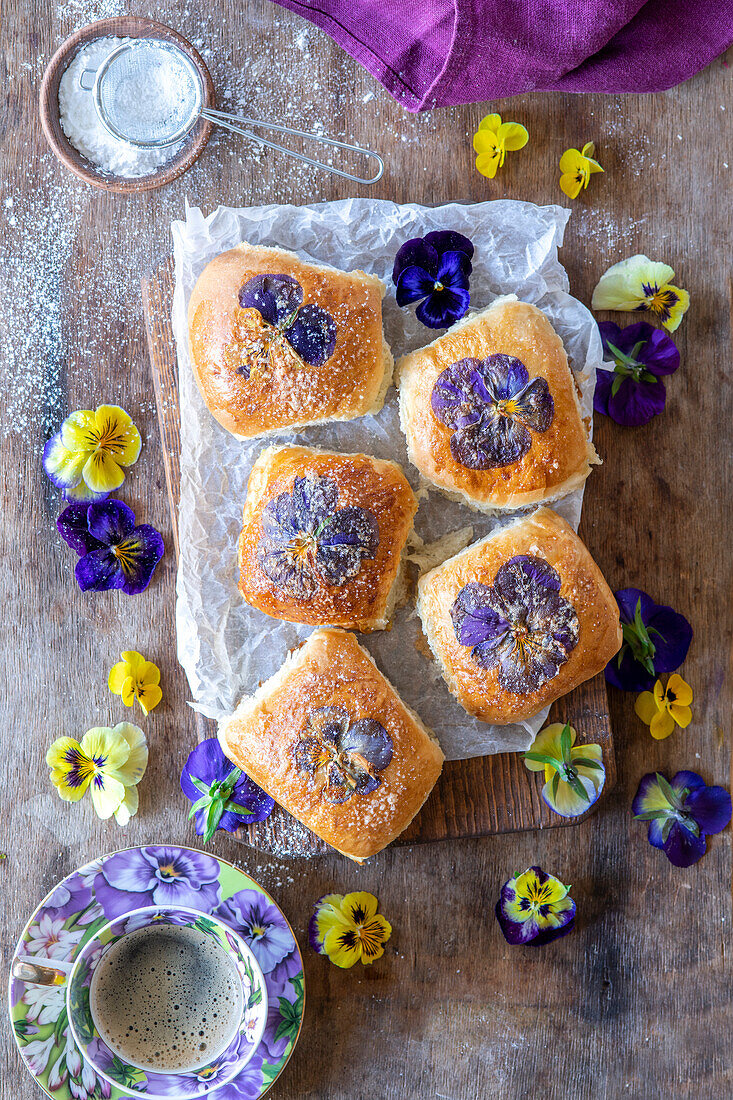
(77, 976)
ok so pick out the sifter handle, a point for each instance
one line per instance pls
(236, 124)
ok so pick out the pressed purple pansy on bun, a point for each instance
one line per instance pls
(656, 639)
(520, 624)
(285, 322)
(490, 405)
(681, 813)
(434, 270)
(632, 393)
(223, 796)
(535, 908)
(307, 539)
(113, 552)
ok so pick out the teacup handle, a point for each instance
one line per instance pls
(29, 970)
(90, 75)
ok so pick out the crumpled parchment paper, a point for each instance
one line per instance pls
(227, 647)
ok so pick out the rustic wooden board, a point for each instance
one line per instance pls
(489, 794)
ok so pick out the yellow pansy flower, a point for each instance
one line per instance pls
(86, 456)
(493, 140)
(110, 762)
(644, 286)
(577, 167)
(135, 678)
(665, 707)
(348, 929)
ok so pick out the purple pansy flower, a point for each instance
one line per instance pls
(223, 796)
(113, 552)
(434, 270)
(247, 1085)
(681, 814)
(632, 393)
(348, 755)
(194, 1082)
(157, 875)
(655, 640)
(285, 328)
(261, 925)
(535, 908)
(490, 405)
(307, 540)
(520, 623)
(70, 896)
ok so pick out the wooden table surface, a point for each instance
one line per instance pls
(637, 1001)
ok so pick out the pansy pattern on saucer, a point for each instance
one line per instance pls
(117, 884)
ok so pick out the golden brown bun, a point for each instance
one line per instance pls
(332, 670)
(364, 601)
(542, 535)
(559, 459)
(289, 393)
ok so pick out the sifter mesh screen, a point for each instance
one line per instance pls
(149, 92)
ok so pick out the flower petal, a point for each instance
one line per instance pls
(490, 122)
(710, 807)
(572, 161)
(118, 674)
(133, 769)
(646, 707)
(649, 796)
(110, 522)
(417, 252)
(148, 696)
(73, 528)
(107, 795)
(99, 570)
(547, 743)
(102, 474)
(63, 467)
(447, 240)
(443, 308)
(682, 847)
(79, 431)
(128, 807)
(567, 802)
(117, 434)
(359, 907)
(622, 285)
(275, 297)
(571, 184)
(374, 935)
(312, 335)
(513, 136)
(661, 725)
(636, 403)
(413, 285)
(680, 689)
(138, 556)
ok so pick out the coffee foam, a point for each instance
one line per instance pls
(166, 998)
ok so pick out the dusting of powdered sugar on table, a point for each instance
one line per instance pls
(227, 647)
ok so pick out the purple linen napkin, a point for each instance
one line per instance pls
(439, 53)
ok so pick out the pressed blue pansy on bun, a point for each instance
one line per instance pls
(342, 756)
(535, 908)
(632, 393)
(113, 552)
(287, 328)
(434, 270)
(223, 796)
(307, 539)
(656, 639)
(681, 813)
(490, 405)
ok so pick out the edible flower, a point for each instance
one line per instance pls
(348, 929)
(655, 640)
(341, 756)
(665, 707)
(276, 330)
(574, 774)
(535, 908)
(632, 393)
(434, 270)
(223, 796)
(493, 140)
(642, 285)
(681, 814)
(577, 167)
(86, 456)
(113, 552)
(135, 678)
(110, 761)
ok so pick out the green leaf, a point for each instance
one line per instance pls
(652, 815)
(555, 784)
(235, 808)
(578, 787)
(566, 743)
(541, 758)
(586, 762)
(668, 791)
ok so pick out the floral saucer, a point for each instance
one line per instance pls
(115, 885)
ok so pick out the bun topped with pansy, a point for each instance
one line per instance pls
(519, 618)
(278, 343)
(491, 412)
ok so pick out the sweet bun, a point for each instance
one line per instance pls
(519, 618)
(330, 739)
(277, 343)
(491, 413)
(323, 537)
